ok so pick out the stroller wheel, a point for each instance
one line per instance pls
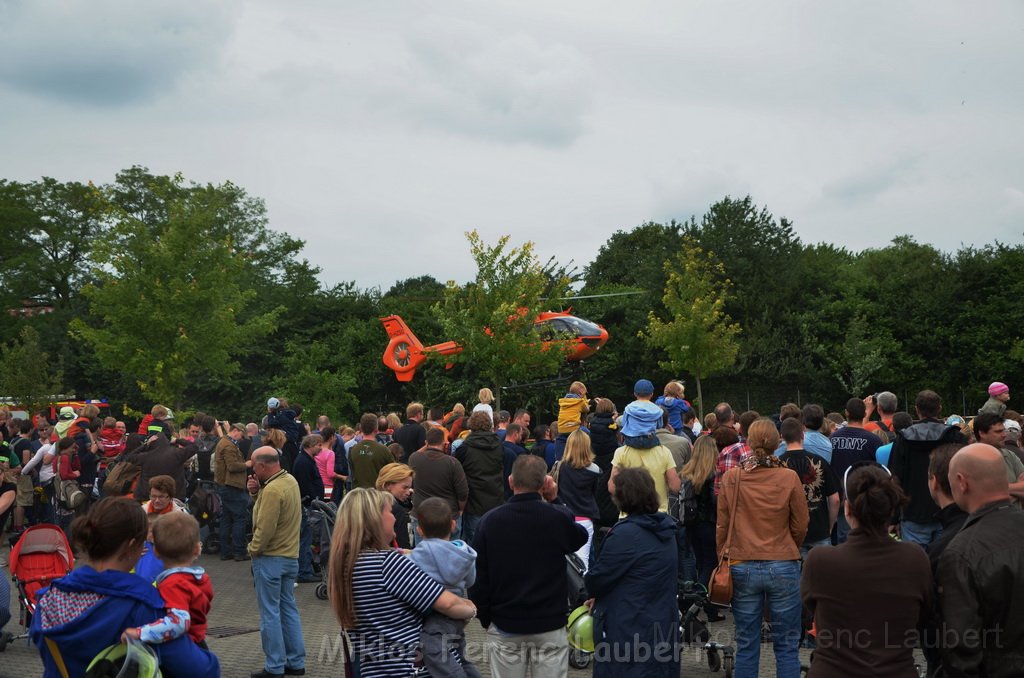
(321, 591)
(714, 660)
(728, 664)
(578, 659)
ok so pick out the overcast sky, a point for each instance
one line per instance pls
(379, 132)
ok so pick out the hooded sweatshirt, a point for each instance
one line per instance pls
(482, 458)
(86, 611)
(908, 462)
(450, 563)
(641, 417)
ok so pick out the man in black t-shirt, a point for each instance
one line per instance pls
(819, 481)
(852, 444)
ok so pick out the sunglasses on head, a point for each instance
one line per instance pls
(857, 465)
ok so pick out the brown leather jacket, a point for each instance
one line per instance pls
(771, 514)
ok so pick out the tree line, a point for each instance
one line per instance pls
(157, 289)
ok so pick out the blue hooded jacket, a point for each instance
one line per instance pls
(634, 581)
(87, 610)
(451, 564)
(641, 417)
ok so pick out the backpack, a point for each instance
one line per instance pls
(204, 504)
(683, 506)
(120, 479)
(69, 494)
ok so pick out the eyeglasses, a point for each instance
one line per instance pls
(858, 465)
(158, 497)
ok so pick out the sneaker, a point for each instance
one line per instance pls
(226, 556)
(242, 558)
(294, 672)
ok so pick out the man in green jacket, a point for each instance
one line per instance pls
(275, 563)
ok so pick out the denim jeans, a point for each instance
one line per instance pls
(808, 545)
(280, 628)
(920, 533)
(842, 527)
(305, 547)
(234, 514)
(469, 525)
(776, 582)
(687, 558)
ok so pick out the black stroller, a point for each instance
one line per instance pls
(693, 627)
(321, 524)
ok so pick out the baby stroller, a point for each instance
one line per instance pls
(41, 555)
(693, 627)
(579, 656)
(204, 505)
(321, 524)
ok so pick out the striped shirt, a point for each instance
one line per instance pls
(392, 594)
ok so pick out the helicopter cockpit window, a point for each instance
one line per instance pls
(546, 330)
(580, 327)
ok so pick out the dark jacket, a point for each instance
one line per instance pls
(982, 595)
(952, 518)
(520, 569)
(909, 463)
(604, 441)
(285, 420)
(160, 458)
(867, 596)
(412, 437)
(576, 489)
(307, 475)
(482, 457)
(633, 581)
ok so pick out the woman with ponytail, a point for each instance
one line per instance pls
(869, 594)
(762, 520)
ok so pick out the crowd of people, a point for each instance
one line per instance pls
(866, 534)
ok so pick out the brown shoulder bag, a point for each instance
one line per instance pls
(720, 587)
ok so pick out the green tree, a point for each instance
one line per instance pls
(29, 377)
(699, 336)
(49, 229)
(167, 306)
(312, 377)
(492, 317)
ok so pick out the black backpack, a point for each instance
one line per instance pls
(683, 507)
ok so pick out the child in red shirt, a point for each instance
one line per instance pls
(186, 589)
(112, 440)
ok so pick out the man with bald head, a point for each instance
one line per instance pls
(980, 584)
(274, 548)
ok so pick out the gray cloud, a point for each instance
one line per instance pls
(107, 53)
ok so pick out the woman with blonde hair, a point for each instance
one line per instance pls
(762, 520)
(577, 476)
(699, 471)
(396, 480)
(379, 596)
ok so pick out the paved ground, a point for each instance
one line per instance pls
(234, 634)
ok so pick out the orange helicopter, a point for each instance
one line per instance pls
(405, 353)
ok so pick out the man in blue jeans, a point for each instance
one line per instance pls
(275, 550)
(229, 471)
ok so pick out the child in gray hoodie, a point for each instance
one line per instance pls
(453, 565)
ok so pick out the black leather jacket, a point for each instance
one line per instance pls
(981, 584)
